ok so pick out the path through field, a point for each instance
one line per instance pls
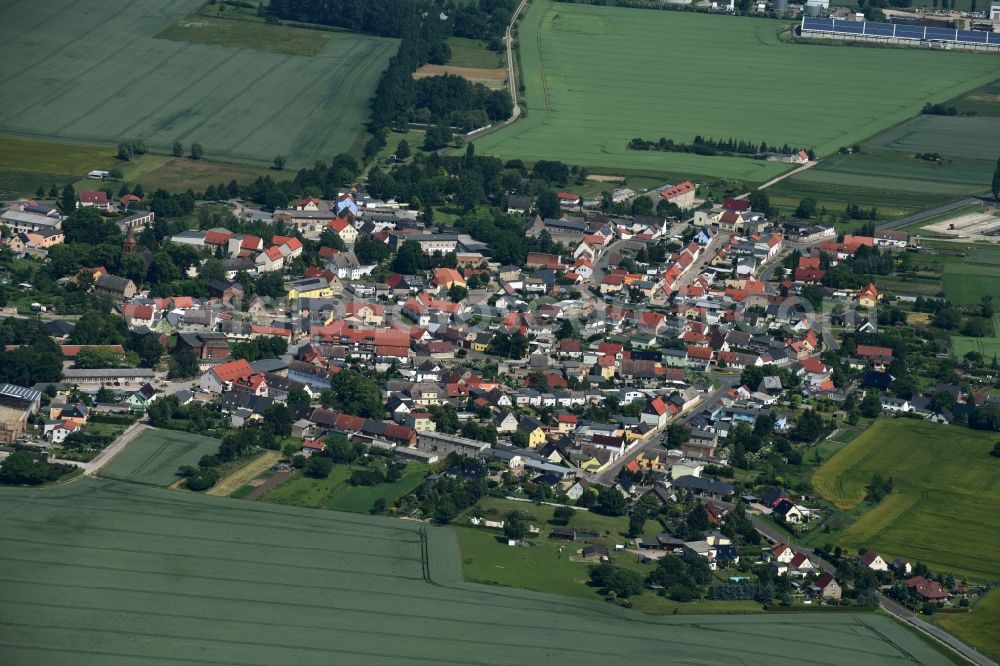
(244, 475)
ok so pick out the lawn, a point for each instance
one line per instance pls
(301, 490)
(105, 572)
(988, 347)
(596, 77)
(334, 492)
(473, 53)
(154, 456)
(946, 487)
(66, 79)
(359, 499)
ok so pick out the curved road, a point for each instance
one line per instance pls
(888, 605)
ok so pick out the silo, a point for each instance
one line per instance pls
(814, 7)
(780, 7)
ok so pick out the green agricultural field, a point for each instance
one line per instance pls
(988, 347)
(983, 101)
(26, 164)
(596, 77)
(966, 283)
(887, 174)
(980, 627)
(154, 456)
(243, 33)
(975, 137)
(101, 572)
(946, 484)
(96, 73)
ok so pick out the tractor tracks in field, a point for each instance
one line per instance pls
(541, 69)
(253, 82)
(124, 87)
(179, 93)
(292, 100)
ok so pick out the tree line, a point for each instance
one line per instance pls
(711, 147)
(423, 28)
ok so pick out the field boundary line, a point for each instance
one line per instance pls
(244, 475)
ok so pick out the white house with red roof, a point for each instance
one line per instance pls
(569, 199)
(782, 552)
(873, 561)
(344, 229)
(98, 199)
(57, 431)
(270, 260)
(289, 246)
(309, 203)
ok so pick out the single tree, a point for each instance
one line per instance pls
(279, 162)
(68, 200)
(178, 149)
(196, 151)
(563, 514)
(403, 150)
(548, 204)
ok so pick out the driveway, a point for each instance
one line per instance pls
(110, 451)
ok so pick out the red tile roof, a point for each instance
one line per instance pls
(217, 237)
(100, 197)
(677, 190)
(233, 370)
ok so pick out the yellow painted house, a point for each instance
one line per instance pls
(308, 288)
(534, 431)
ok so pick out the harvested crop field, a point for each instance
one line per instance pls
(491, 78)
(154, 456)
(96, 73)
(596, 77)
(104, 572)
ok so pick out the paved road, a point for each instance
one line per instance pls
(904, 614)
(887, 604)
(511, 82)
(928, 214)
(109, 452)
(707, 254)
(778, 179)
(611, 473)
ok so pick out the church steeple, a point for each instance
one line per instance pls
(128, 247)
